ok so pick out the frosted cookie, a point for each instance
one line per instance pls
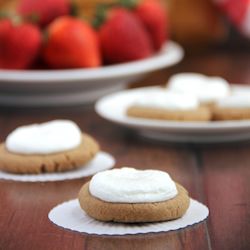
(167, 105)
(208, 90)
(131, 196)
(235, 107)
(54, 146)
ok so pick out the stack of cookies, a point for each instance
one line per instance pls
(193, 97)
(167, 105)
(234, 107)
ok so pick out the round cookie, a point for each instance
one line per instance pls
(56, 162)
(134, 212)
(234, 107)
(199, 114)
(227, 114)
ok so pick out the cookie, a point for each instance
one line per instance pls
(199, 114)
(227, 114)
(56, 162)
(234, 107)
(134, 212)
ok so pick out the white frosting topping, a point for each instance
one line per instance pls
(206, 89)
(46, 138)
(128, 185)
(235, 101)
(167, 100)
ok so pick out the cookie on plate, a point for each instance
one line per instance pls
(235, 107)
(128, 195)
(54, 146)
(207, 89)
(167, 105)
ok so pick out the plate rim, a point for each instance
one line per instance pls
(138, 123)
(157, 61)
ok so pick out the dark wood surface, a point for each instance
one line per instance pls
(216, 174)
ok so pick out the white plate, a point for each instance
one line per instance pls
(113, 108)
(51, 87)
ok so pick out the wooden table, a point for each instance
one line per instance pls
(217, 175)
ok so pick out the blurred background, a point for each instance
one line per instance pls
(195, 24)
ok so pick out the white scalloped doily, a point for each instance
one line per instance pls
(69, 215)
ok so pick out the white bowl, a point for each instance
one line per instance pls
(73, 86)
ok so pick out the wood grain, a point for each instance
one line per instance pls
(217, 175)
(226, 181)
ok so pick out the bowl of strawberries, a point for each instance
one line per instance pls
(50, 57)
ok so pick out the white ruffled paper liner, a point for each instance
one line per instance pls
(102, 161)
(69, 215)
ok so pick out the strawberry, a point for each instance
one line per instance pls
(71, 43)
(19, 44)
(153, 15)
(236, 10)
(123, 37)
(44, 10)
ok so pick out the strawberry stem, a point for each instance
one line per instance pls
(101, 14)
(6, 15)
(33, 18)
(74, 9)
(13, 17)
(130, 4)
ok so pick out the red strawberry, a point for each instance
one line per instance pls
(45, 10)
(236, 10)
(71, 43)
(123, 37)
(19, 44)
(153, 15)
